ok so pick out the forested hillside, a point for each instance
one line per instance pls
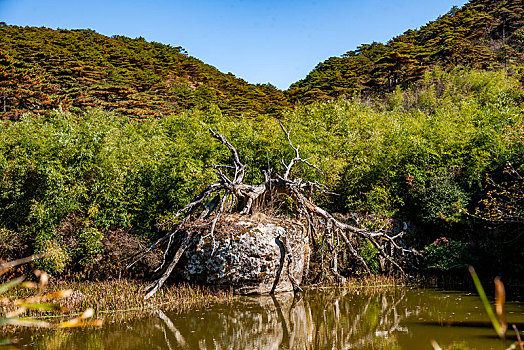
(43, 69)
(481, 34)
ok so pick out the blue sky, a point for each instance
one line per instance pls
(275, 41)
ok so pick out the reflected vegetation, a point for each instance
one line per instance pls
(316, 319)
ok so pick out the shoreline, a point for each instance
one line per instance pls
(122, 296)
(125, 296)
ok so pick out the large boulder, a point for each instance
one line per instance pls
(251, 254)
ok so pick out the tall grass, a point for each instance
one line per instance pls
(124, 298)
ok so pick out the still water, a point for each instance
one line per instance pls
(316, 319)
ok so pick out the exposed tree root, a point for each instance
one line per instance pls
(232, 190)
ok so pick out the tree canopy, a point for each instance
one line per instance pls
(482, 34)
(43, 69)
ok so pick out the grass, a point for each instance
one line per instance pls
(126, 296)
(367, 281)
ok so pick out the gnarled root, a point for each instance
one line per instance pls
(230, 186)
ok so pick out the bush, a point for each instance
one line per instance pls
(441, 199)
(370, 254)
(89, 244)
(56, 259)
(444, 254)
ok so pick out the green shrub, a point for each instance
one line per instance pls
(89, 244)
(441, 199)
(370, 254)
(445, 254)
(56, 258)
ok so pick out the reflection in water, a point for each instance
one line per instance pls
(315, 319)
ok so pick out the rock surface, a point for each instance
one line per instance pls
(251, 254)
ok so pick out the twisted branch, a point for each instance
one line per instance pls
(297, 156)
(245, 195)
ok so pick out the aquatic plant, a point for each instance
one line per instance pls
(126, 296)
(14, 309)
(499, 322)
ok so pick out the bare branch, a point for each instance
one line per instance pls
(219, 212)
(381, 251)
(318, 186)
(240, 168)
(297, 157)
(209, 207)
(218, 166)
(223, 178)
(6, 266)
(202, 196)
(152, 288)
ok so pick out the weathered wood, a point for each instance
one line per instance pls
(246, 195)
(153, 287)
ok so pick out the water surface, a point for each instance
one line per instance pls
(331, 318)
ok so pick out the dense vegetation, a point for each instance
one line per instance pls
(423, 133)
(72, 183)
(481, 34)
(43, 69)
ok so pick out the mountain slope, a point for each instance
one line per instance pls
(42, 69)
(481, 34)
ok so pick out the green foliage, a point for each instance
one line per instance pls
(67, 179)
(504, 202)
(440, 199)
(445, 254)
(481, 34)
(90, 244)
(423, 158)
(370, 254)
(56, 258)
(43, 69)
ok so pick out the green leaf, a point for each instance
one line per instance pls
(41, 306)
(485, 301)
(11, 284)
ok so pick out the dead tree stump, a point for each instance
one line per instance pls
(195, 226)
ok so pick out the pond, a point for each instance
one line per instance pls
(330, 318)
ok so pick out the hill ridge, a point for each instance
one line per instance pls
(481, 34)
(42, 69)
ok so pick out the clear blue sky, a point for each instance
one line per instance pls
(275, 41)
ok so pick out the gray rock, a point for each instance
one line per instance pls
(251, 254)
